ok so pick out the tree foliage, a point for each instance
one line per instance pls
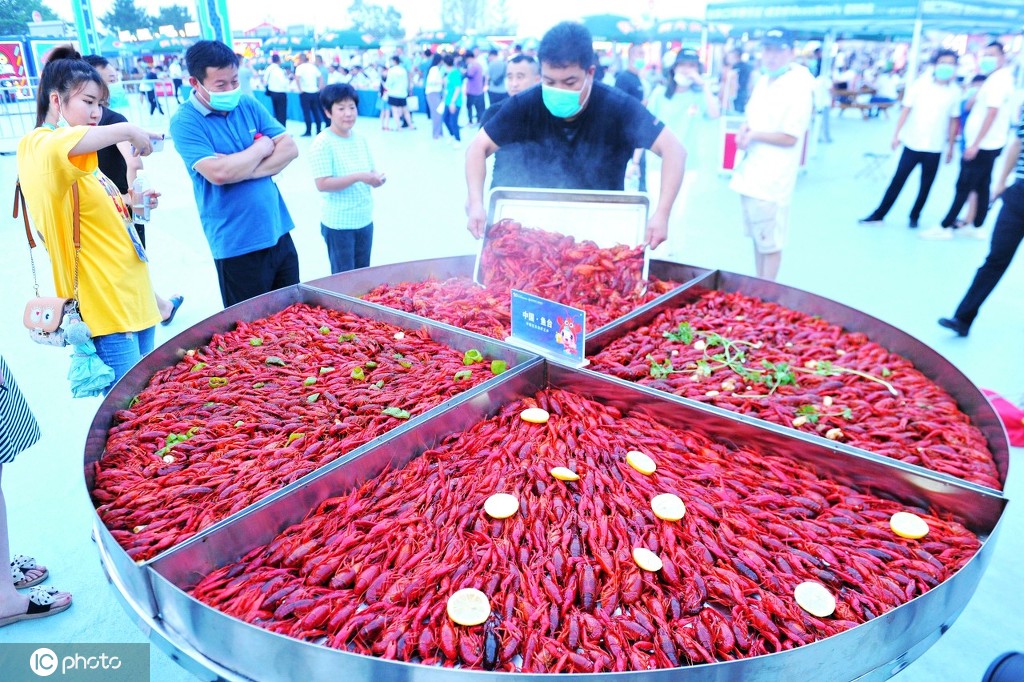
(14, 14)
(173, 15)
(380, 22)
(125, 16)
(480, 17)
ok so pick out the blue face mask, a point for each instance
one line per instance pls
(224, 101)
(118, 97)
(776, 73)
(61, 121)
(988, 64)
(562, 103)
(944, 72)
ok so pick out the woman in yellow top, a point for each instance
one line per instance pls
(115, 294)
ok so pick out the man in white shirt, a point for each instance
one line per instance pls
(985, 133)
(927, 125)
(772, 139)
(175, 73)
(397, 87)
(276, 81)
(310, 81)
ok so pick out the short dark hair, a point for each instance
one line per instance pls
(396, 59)
(449, 60)
(337, 92)
(96, 61)
(945, 52)
(567, 44)
(208, 54)
(428, 52)
(65, 73)
(998, 45)
(275, 59)
(493, 52)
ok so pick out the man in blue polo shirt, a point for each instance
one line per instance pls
(232, 148)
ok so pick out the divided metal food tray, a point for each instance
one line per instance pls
(875, 647)
(360, 282)
(938, 369)
(131, 574)
(207, 639)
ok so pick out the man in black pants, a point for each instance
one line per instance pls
(1006, 237)
(985, 134)
(277, 89)
(928, 124)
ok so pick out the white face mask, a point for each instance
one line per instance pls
(682, 81)
(61, 121)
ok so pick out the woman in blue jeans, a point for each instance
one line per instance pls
(452, 97)
(59, 173)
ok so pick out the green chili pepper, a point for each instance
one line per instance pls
(239, 423)
(133, 402)
(259, 384)
(309, 381)
(347, 337)
(464, 374)
(217, 382)
(325, 329)
(198, 366)
(274, 360)
(405, 363)
(380, 384)
(472, 356)
(294, 436)
(255, 341)
(370, 364)
(325, 370)
(498, 366)
(396, 412)
(313, 397)
(358, 373)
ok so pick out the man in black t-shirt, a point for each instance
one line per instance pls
(573, 133)
(521, 73)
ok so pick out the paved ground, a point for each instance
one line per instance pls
(884, 270)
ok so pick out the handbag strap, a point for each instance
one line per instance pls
(76, 231)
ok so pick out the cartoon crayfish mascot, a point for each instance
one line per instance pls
(566, 334)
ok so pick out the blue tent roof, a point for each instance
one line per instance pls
(891, 16)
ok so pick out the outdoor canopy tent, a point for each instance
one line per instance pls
(884, 17)
(614, 28)
(686, 30)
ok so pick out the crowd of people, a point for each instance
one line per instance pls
(538, 114)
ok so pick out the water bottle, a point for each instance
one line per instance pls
(141, 202)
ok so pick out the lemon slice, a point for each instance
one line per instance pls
(564, 474)
(641, 462)
(534, 415)
(646, 559)
(501, 505)
(815, 599)
(668, 507)
(908, 525)
(469, 606)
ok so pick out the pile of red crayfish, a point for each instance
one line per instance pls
(606, 283)
(758, 358)
(371, 571)
(258, 408)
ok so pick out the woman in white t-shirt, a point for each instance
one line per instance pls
(434, 90)
(344, 173)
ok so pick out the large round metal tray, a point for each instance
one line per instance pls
(205, 640)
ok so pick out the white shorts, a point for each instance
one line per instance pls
(766, 222)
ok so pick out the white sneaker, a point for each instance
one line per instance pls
(937, 233)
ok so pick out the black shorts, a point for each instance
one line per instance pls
(396, 101)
